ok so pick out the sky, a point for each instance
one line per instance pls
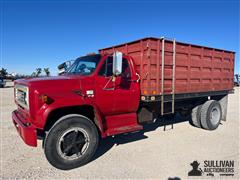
(47, 33)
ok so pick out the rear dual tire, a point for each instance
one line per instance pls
(196, 116)
(208, 115)
(211, 115)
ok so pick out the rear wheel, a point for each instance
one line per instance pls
(196, 116)
(71, 142)
(211, 115)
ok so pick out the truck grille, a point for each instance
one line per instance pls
(22, 95)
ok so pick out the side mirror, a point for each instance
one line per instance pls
(117, 63)
(62, 68)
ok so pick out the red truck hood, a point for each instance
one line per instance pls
(54, 82)
(57, 87)
(30, 81)
(57, 84)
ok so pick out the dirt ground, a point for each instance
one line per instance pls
(150, 154)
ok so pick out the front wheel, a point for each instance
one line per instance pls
(71, 142)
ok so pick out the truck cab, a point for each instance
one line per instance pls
(101, 90)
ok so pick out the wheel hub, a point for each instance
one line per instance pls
(73, 143)
(215, 115)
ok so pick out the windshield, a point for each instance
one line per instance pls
(85, 65)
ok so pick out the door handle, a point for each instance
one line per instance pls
(131, 80)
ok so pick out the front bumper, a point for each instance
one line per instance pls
(27, 132)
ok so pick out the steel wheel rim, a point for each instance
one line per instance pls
(73, 143)
(215, 115)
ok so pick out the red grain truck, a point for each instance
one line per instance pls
(117, 91)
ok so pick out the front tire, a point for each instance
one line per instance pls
(71, 142)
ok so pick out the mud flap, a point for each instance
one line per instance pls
(224, 102)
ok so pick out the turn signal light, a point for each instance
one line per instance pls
(45, 99)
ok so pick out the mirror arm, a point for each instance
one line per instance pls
(138, 77)
(111, 79)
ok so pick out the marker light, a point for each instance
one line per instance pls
(45, 99)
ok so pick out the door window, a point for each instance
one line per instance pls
(106, 69)
(126, 71)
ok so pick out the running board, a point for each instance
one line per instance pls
(124, 129)
(121, 123)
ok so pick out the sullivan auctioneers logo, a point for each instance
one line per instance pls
(212, 168)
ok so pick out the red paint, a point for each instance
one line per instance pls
(198, 69)
(106, 103)
(27, 133)
(122, 123)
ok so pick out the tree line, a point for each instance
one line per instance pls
(37, 73)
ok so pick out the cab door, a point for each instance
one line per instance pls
(104, 88)
(117, 95)
(127, 89)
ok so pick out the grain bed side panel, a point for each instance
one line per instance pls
(198, 69)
